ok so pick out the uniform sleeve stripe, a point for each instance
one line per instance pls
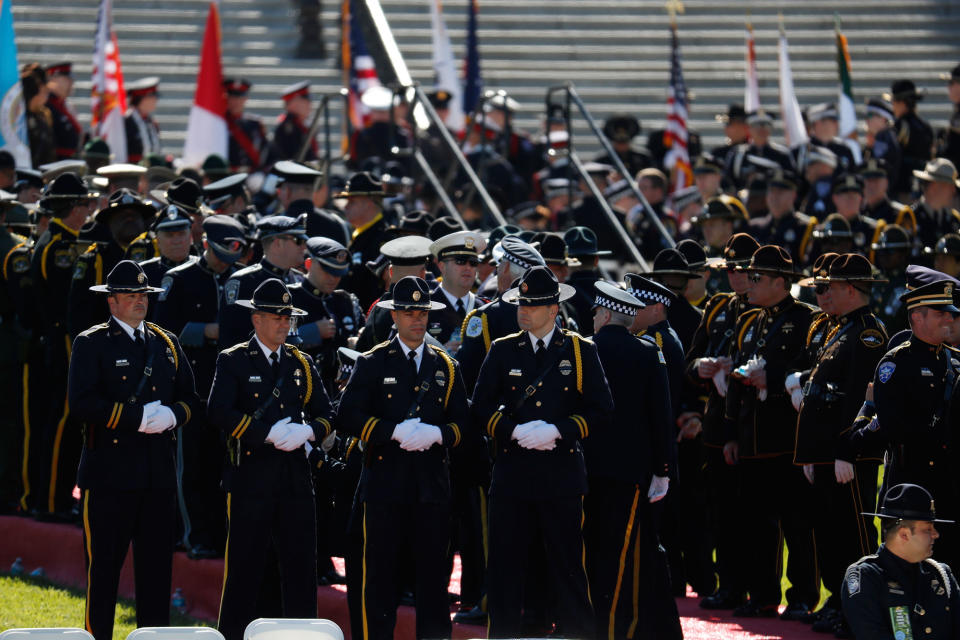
(492, 423)
(241, 427)
(114, 416)
(582, 424)
(325, 424)
(368, 428)
(186, 410)
(246, 424)
(456, 433)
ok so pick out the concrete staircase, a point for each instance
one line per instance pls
(615, 51)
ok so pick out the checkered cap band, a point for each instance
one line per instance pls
(517, 260)
(614, 305)
(652, 296)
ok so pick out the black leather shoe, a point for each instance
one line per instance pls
(332, 577)
(827, 621)
(721, 600)
(473, 615)
(796, 611)
(751, 610)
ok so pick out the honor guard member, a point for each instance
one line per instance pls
(143, 134)
(901, 591)
(817, 184)
(735, 129)
(292, 128)
(497, 318)
(383, 128)
(711, 351)
(172, 227)
(820, 326)
(582, 246)
(877, 204)
(268, 400)
(946, 255)
(847, 197)
(832, 397)
(457, 256)
(295, 193)
(132, 389)
(759, 416)
(126, 216)
(283, 239)
(406, 401)
(671, 270)
(823, 122)
(892, 253)
(333, 314)
(882, 145)
(628, 469)
(404, 256)
(912, 389)
(553, 249)
(914, 134)
(933, 215)
(67, 132)
(124, 176)
(186, 194)
(189, 306)
(247, 147)
(364, 213)
(540, 392)
(758, 156)
(620, 129)
(783, 225)
(43, 277)
(228, 196)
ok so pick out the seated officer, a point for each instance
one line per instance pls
(901, 591)
(268, 400)
(539, 393)
(130, 385)
(406, 402)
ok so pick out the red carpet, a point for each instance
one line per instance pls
(58, 549)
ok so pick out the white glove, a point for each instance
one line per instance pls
(297, 434)
(720, 382)
(162, 418)
(796, 397)
(422, 438)
(792, 382)
(307, 448)
(327, 443)
(277, 431)
(522, 429)
(808, 472)
(658, 488)
(146, 423)
(542, 438)
(403, 429)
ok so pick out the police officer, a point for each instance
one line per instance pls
(877, 204)
(295, 193)
(774, 495)
(229, 195)
(946, 254)
(882, 145)
(172, 227)
(283, 239)
(620, 129)
(756, 157)
(628, 468)
(248, 146)
(892, 252)
(364, 213)
(823, 123)
(783, 225)
(67, 132)
(901, 591)
(333, 315)
(188, 306)
(131, 387)
(583, 246)
(948, 139)
(188, 196)
(914, 134)
(832, 396)
(406, 401)
(126, 216)
(268, 400)
(291, 130)
(458, 257)
(540, 391)
(671, 270)
(933, 214)
(143, 134)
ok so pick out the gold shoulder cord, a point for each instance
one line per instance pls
(163, 334)
(306, 371)
(579, 363)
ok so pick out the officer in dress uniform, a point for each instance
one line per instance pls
(458, 256)
(382, 131)
(933, 215)
(540, 392)
(132, 388)
(229, 195)
(172, 227)
(671, 270)
(333, 314)
(912, 387)
(292, 127)
(783, 225)
(247, 147)
(67, 132)
(125, 217)
(143, 134)
(881, 144)
(583, 246)
(823, 123)
(901, 591)
(283, 240)
(188, 195)
(948, 138)
(364, 212)
(758, 156)
(189, 306)
(735, 129)
(832, 396)
(628, 468)
(877, 204)
(268, 400)
(914, 134)
(620, 129)
(892, 252)
(295, 193)
(773, 492)
(406, 401)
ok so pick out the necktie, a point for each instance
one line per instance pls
(138, 337)
(541, 353)
(275, 363)
(461, 311)
(413, 362)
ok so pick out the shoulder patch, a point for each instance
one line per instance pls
(885, 371)
(230, 290)
(852, 580)
(165, 284)
(872, 338)
(474, 326)
(20, 263)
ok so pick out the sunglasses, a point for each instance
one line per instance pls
(821, 288)
(473, 262)
(755, 277)
(297, 240)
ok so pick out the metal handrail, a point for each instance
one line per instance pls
(323, 109)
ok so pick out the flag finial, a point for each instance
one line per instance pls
(749, 20)
(673, 8)
(783, 31)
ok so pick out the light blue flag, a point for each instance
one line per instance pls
(13, 115)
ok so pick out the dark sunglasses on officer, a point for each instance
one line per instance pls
(464, 260)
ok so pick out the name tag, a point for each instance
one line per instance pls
(254, 379)
(389, 381)
(515, 372)
(926, 372)
(122, 362)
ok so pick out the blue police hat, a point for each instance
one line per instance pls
(272, 296)
(225, 237)
(330, 254)
(282, 226)
(217, 193)
(172, 217)
(126, 277)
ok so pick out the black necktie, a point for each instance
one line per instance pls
(138, 337)
(541, 353)
(275, 363)
(413, 362)
(461, 310)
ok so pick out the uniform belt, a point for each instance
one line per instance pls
(828, 392)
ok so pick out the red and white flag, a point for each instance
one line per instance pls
(677, 158)
(751, 92)
(207, 127)
(109, 99)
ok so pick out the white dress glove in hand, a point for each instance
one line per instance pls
(522, 429)
(422, 438)
(796, 397)
(658, 488)
(792, 382)
(296, 435)
(541, 438)
(147, 422)
(163, 418)
(278, 430)
(403, 429)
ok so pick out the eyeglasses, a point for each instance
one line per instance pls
(460, 261)
(822, 288)
(754, 277)
(297, 240)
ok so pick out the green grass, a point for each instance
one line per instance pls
(37, 602)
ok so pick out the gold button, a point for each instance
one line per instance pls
(379, 457)
(248, 453)
(539, 403)
(123, 377)
(389, 395)
(931, 463)
(281, 405)
(256, 395)
(115, 441)
(928, 630)
(417, 388)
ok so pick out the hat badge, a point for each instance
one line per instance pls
(468, 243)
(733, 253)
(141, 277)
(948, 289)
(341, 256)
(286, 298)
(524, 287)
(416, 296)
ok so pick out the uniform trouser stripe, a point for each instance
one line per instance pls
(25, 467)
(226, 561)
(88, 547)
(623, 561)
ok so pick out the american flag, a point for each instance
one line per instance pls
(677, 159)
(109, 99)
(472, 80)
(358, 64)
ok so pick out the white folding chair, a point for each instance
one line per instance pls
(53, 633)
(292, 629)
(175, 633)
